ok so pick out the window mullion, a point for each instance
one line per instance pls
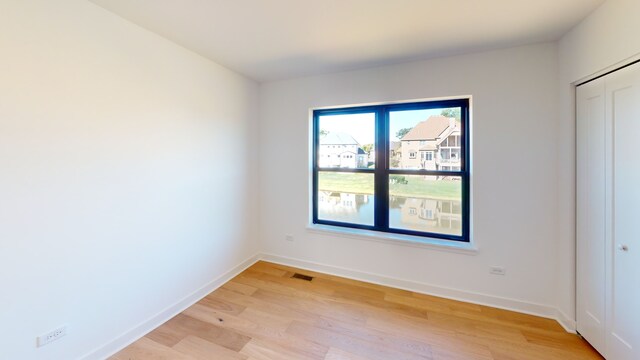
(314, 158)
(347, 170)
(381, 173)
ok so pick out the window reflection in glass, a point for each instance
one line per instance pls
(346, 197)
(426, 203)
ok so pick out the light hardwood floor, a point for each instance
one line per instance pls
(264, 313)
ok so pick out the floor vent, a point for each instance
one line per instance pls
(302, 277)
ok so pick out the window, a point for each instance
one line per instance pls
(386, 193)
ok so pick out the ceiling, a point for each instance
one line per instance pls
(277, 39)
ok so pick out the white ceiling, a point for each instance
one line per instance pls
(277, 39)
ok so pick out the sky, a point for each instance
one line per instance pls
(362, 126)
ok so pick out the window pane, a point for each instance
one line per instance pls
(425, 139)
(346, 197)
(426, 203)
(347, 141)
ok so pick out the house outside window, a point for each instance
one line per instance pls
(342, 151)
(406, 164)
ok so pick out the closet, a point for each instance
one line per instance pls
(608, 213)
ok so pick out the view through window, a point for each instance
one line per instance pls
(400, 168)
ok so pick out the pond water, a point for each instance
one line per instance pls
(408, 213)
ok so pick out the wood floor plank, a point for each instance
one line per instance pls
(308, 287)
(265, 314)
(368, 349)
(259, 327)
(345, 288)
(439, 338)
(265, 350)
(448, 353)
(223, 306)
(387, 340)
(200, 349)
(279, 322)
(269, 269)
(147, 349)
(182, 325)
(337, 354)
(348, 282)
(239, 288)
(558, 340)
(264, 306)
(375, 304)
(319, 306)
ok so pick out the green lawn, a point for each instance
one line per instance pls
(342, 182)
(416, 186)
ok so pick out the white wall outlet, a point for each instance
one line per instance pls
(52, 335)
(497, 270)
(288, 237)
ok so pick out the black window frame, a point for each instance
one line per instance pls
(382, 171)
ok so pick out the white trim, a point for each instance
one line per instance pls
(520, 306)
(163, 316)
(566, 322)
(468, 248)
(416, 241)
(391, 102)
(614, 67)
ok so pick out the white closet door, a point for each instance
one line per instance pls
(590, 219)
(623, 293)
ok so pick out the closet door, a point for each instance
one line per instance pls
(623, 285)
(591, 155)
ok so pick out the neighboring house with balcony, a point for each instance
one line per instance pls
(433, 144)
(338, 149)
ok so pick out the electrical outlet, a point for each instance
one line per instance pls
(288, 237)
(52, 335)
(497, 270)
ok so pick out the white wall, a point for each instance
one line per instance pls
(127, 178)
(607, 38)
(128, 170)
(514, 172)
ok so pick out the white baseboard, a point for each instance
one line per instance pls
(525, 307)
(145, 327)
(567, 323)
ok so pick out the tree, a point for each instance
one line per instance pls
(323, 132)
(451, 113)
(402, 132)
(367, 148)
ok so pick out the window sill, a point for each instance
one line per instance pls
(396, 239)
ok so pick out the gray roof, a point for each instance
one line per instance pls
(338, 138)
